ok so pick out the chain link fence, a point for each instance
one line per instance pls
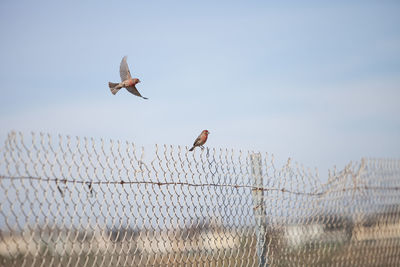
(82, 202)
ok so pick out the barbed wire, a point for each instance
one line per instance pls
(235, 186)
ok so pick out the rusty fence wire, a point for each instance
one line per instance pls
(69, 201)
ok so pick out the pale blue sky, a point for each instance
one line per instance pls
(317, 81)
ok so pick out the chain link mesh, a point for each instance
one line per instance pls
(83, 202)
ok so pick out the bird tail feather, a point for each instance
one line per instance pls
(191, 148)
(113, 87)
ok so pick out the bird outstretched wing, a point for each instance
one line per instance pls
(124, 70)
(133, 90)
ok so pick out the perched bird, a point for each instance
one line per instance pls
(201, 140)
(126, 80)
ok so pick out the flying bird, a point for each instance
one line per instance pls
(201, 140)
(126, 80)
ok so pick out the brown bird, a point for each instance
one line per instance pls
(126, 80)
(201, 140)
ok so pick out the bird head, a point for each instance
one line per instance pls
(136, 80)
(205, 132)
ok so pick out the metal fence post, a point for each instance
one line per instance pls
(259, 208)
